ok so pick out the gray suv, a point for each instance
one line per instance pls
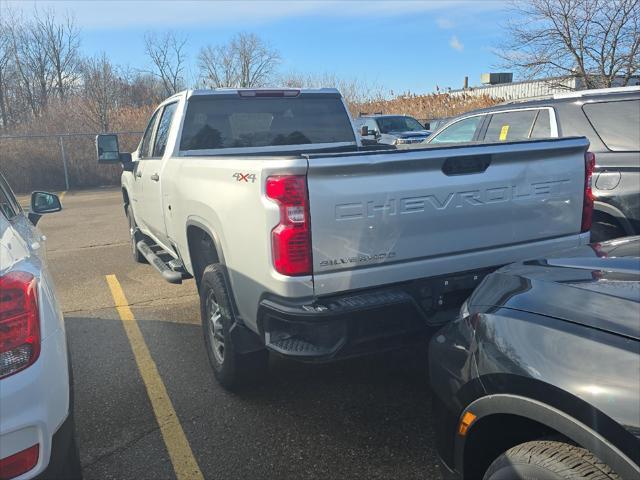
(609, 118)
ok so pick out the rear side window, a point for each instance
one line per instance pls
(617, 123)
(459, 132)
(510, 126)
(163, 130)
(217, 121)
(542, 125)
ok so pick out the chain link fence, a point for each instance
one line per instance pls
(59, 161)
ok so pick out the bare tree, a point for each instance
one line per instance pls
(246, 61)
(5, 72)
(218, 66)
(31, 62)
(168, 55)
(62, 41)
(354, 90)
(102, 90)
(597, 41)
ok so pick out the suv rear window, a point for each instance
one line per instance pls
(231, 121)
(616, 123)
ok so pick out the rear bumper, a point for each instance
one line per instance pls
(365, 321)
(36, 403)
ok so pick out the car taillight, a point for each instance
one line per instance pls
(291, 238)
(587, 206)
(19, 322)
(19, 463)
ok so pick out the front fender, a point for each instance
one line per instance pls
(623, 457)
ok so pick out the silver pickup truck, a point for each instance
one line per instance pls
(305, 243)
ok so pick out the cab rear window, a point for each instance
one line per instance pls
(616, 123)
(231, 121)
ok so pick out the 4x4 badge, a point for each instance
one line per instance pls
(244, 177)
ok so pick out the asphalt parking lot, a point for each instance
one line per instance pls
(367, 418)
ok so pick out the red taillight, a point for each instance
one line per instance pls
(587, 206)
(291, 238)
(19, 463)
(19, 322)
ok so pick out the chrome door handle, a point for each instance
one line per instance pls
(155, 177)
(139, 174)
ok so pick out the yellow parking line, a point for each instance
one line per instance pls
(61, 196)
(184, 463)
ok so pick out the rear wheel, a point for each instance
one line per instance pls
(548, 460)
(231, 368)
(135, 236)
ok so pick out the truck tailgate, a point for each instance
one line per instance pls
(387, 208)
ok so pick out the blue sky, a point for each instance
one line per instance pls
(398, 45)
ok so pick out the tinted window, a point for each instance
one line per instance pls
(399, 124)
(145, 147)
(459, 132)
(510, 126)
(6, 207)
(617, 123)
(234, 122)
(8, 203)
(542, 126)
(163, 130)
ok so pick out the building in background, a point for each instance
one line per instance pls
(501, 86)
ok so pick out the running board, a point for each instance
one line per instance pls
(165, 270)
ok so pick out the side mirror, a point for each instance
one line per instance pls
(365, 132)
(107, 149)
(41, 203)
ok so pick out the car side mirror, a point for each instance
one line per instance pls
(108, 151)
(365, 132)
(41, 203)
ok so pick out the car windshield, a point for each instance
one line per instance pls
(231, 121)
(399, 124)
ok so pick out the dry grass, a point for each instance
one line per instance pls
(426, 107)
(36, 163)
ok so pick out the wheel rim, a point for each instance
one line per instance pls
(216, 333)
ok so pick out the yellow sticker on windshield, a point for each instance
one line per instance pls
(503, 132)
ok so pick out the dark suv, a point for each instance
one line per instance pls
(391, 129)
(609, 118)
(539, 376)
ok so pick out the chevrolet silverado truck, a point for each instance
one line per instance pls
(305, 243)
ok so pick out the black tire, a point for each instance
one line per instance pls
(548, 460)
(231, 368)
(135, 236)
(605, 229)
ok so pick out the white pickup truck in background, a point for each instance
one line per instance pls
(304, 243)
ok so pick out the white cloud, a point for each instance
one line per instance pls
(114, 15)
(444, 23)
(456, 44)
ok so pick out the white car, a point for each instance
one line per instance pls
(36, 421)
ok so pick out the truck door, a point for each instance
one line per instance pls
(152, 204)
(139, 157)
